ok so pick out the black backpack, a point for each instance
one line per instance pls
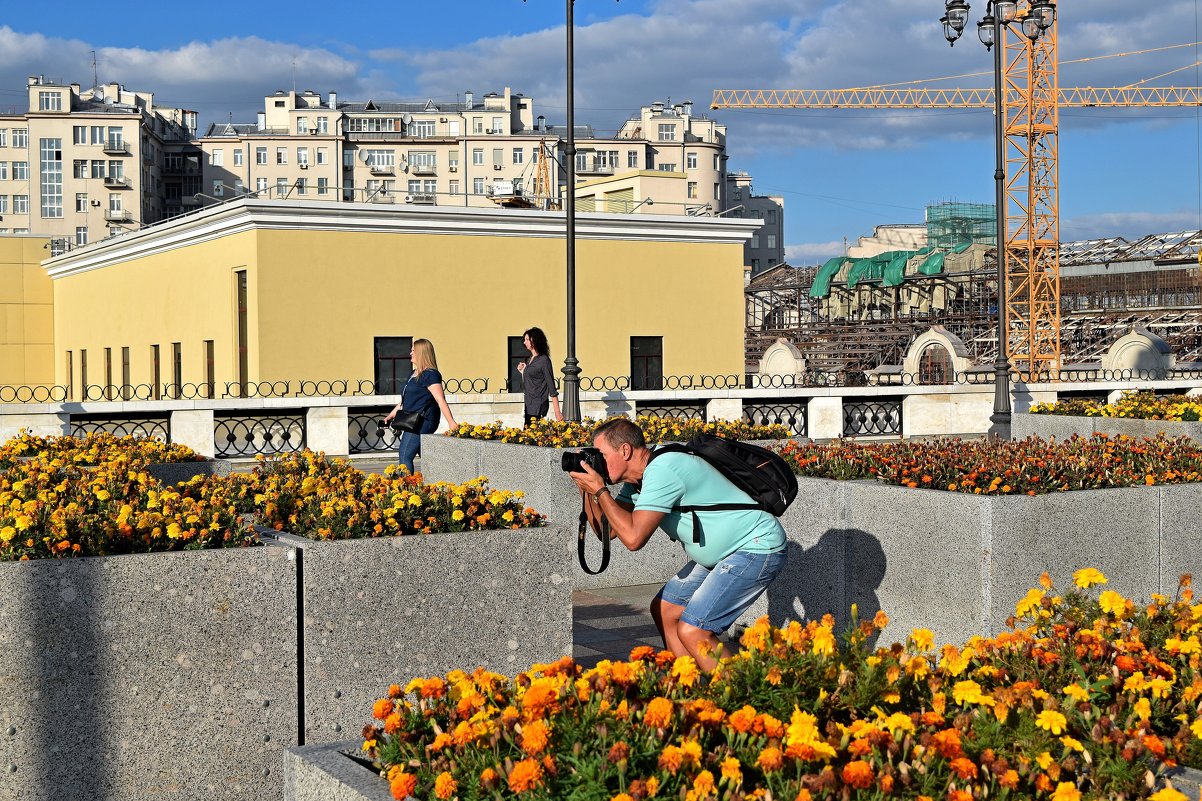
(759, 472)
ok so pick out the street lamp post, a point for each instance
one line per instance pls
(998, 15)
(571, 368)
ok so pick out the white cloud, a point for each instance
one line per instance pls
(805, 253)
(1131, 225)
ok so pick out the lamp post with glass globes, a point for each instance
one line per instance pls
(999, 14)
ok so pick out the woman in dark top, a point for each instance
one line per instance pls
(538, 377)
(422, 393)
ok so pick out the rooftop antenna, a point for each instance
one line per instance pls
(294, 74)
(95, 78)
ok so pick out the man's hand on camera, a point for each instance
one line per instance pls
(589, 481)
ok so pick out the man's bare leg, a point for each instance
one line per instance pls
(667, 618)
(702, 645)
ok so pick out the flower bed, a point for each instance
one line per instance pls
(1076, 702)
(94, 449)
(549, 433)
(1134, 404)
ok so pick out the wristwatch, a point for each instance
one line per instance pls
(598, 493)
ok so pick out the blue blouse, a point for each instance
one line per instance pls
(416, 397)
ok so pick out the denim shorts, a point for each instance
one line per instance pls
(714, 598)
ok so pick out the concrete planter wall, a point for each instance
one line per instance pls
(175, 675)
(536, 471)
(385, 610)
(956, 563)
(167, 675)
(1062, 426)
(326, 773)
(172, 473)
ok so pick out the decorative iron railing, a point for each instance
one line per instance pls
(124, 426)
(38, 394)
(366, 432)
(877, 417)
(679, 411)
(787, 412)
(281, 431)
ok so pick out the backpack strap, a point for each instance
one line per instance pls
(693, 509)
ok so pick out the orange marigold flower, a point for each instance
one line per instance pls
(394, 691)
(1009, 779)
(488, 778)
(959, 795)
(741, 720)
(658, 713)
(770, 759)
(403, 785)
(858, 774)
(526, 775)
(621, 797)
(803, 795)
(392, 723)
(671, 758)
(382, 709)
(947, 743)
(1066, 791)
(434, 688)
(642, 653)
(535, 735)
(703, 785)
(445, 786)
(964, 767)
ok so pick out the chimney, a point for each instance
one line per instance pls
(542, 123)
(32, 80)
(333, 101)
(688, 108)
(467, 101)
(262, 115)
(507, 99)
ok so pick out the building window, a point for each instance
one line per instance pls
(934, 365)
(692, 189)
(96, 133)
(217, 158)
(281, 155)
(210, 369)
(646, 363)
(496, 157)
(323, 155)
(453, 187)
(21, 137)
(422, 129)
(715, 191)
(126, 381)
(301, 186)
(51, 174)
(81, 235)
(632, 158)
(477, 186)
(667, 132)
(393, 366)
(771, 241)
(70, 373)
(771, 215)
(156, 372)
(241, 300)
(20, 170)
(3, 205)
(717, 162)
(477, 125)
(517, 355)
(691, 161)
(177, 368)
(20, 204)
(478, 156)
(83, 372)
(518, 155)
(238, 157)
(323, 186)
(379, 158)
(81, 201)
(50, 101)
(302, 125)
(498, 125)
(323, 125)
(260, 185)
(97, 168)
(281, 187)
(260, 155)
(302, 156)
(79, 134)
(670, 167)
(755, 241)
(117, 170)
(3, 137)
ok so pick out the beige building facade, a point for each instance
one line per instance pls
(80, 165)
(26, 313)
(267, 290)
(766, 248)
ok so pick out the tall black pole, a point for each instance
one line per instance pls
(571, 368)
(1001, 382)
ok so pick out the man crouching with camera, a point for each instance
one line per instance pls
(732, 558)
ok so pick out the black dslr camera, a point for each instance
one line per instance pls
(572, 460)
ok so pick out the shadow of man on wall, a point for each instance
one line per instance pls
(845, 567)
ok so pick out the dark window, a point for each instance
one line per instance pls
(126, 391)
(108, 371)
(156, 372)
(934, 365)
(393, 366)
(210, 378)
(517, 353)
(243, 368)
(70, 375)
(646, 362)
(177, 368)
(83, 373)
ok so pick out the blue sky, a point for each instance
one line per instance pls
(1122, 172)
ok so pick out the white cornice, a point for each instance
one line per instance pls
(251, 214)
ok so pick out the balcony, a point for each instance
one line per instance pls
(375, 136)
(116, 215)
(383, 198)
(382, 169)
(421, 199)
(592, 167)
(116, 147)
(113, 182)
(422, 169)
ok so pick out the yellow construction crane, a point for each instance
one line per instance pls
(1032, 99)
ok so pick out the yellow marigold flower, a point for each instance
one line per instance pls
(692, 751)
(685, 670)
(457, 515)
(652, 787)
(1143, 708)
(1051, 720)
(659, 713)
(1112, 603)
(1044, 760)
(969, 692)
(1072, 743)
(923, 639)
(823, 641)
(7, 533)
(1196, 728)
(1077, 692)
(445, 786)
(732, 770)
(1066, 791)
(23, 522)
(1087, 577)
(1168, 794)
(1030, 602)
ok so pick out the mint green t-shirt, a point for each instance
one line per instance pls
(678, 479)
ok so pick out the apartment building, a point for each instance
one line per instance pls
(305, 146)
(766, 248)
(83, 165)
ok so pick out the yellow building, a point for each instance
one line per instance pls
(26, 313)
(267, 290)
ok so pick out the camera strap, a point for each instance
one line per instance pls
(583, 530)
